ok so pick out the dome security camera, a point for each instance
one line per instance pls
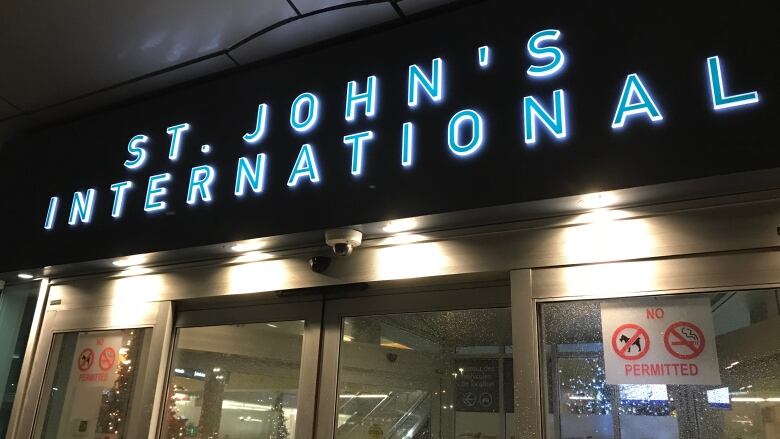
(319, 264)
(343, 241)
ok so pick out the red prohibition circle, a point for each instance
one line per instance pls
(86, 357)
(638, 332)
(107, 358)
(681, 340)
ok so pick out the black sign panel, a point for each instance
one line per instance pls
(664, 49)
(477, 386)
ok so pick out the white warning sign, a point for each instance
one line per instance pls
(659, 341)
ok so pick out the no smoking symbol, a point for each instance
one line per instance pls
(107, 358)
(684, 340)
(630, 341)
(86, 357)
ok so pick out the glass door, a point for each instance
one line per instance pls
(95, 372)
(92, 381)
(246, 372)
(707, 367)
(418, 366)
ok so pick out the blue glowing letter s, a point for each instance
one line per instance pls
(139, 154)
(540, 52)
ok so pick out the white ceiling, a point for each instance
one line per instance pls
(63, 59)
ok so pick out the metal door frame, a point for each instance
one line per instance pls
(477, 297)
(157, 316)
(309, 310)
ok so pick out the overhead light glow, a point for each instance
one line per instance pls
(248, 246)
(25, 276)
(253, 256)
(135, 271)
(130, 261)
(402, 225)
(596, 200)
(403, 238)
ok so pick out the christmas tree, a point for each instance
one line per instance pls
(278, 422)
(174, 424)
(116, 399)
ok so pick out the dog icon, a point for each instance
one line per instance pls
(638, 342)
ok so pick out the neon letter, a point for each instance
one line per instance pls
(533, 111)
(537, 51)
(201, 178)
(262, 115)
(305, 165)
(407, 144)
(635, 99)
(176, 132)
(719, 99)
(454, 133)
(82, 207)
(484, 56)
(53, 203)
(368, 99)
(312, 104)
(153, 191)
(254, 175)
(119, 197)
(138, 153)
(357, 140)
(433, 87)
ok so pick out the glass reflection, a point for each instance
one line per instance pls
(235, 381)
(424, 375)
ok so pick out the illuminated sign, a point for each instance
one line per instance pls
(544, 118)
(484, 106)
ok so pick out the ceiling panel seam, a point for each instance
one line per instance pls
(295, 8)
(308, 14)
(11, 104)
(121, 84)
(394, 4)
(232, 59)
(193, 61)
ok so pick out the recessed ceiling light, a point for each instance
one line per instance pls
(25, 276)
(596, 200)
(253, 257)
(130, 261)
(401, 225)
(247, 246)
